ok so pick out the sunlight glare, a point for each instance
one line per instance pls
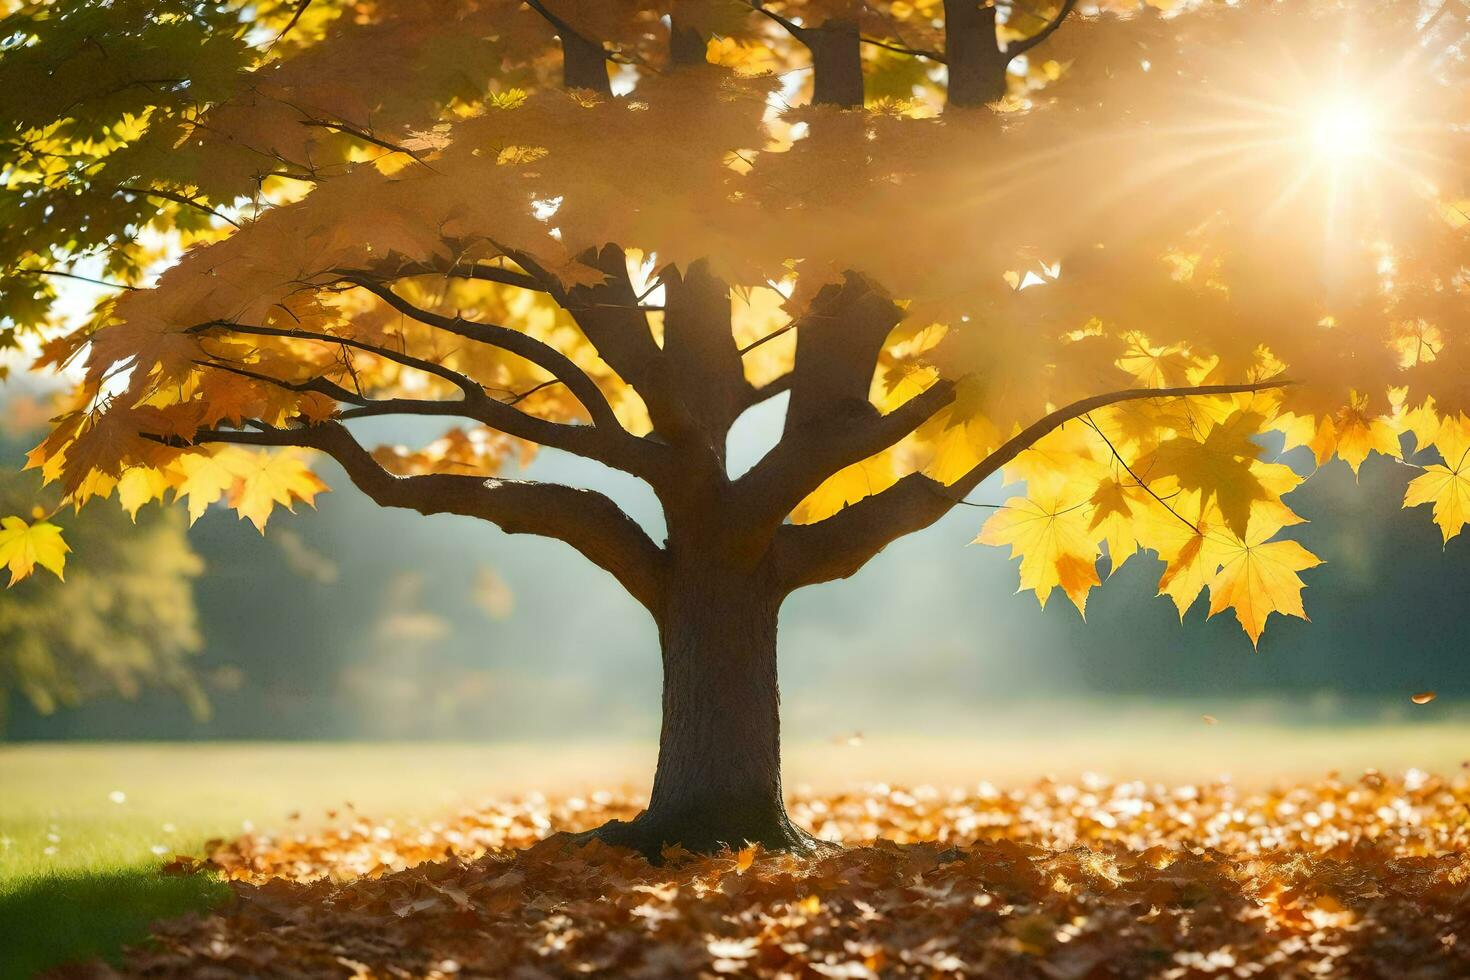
(1344, 128)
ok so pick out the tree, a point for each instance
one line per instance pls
(1115, 269)
(125, 620)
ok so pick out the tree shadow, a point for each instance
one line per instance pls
(49, 920)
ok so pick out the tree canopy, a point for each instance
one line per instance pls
(1117, 250)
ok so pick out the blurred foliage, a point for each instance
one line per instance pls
(125, 619)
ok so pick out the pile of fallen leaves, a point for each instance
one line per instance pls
(1362, 878)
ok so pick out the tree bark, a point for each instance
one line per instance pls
(977, 66)
(837, 63)
(718, 781)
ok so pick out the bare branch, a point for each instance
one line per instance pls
(584, 519)
(177, 198)
(840, 545)
(470, 388)
(319, 385)
(903, 49)
(70, 275)
(543, 355)
(367, 137)
(630, 454)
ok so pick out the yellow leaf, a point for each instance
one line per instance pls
(846, 486)
(1052, 537)
(1358, 434)
(1222, 466)
(137, 486)
(1258, 577)
(1113, 519)
(205, 477)
(1191, 563)
(24, 546)
(265, 479)
(1447, 484)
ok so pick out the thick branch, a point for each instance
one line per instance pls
(584, 519)
(687, 46)
(977, 65)
(768, 390)
(836, 49)
(838, 342)
(584, 61)
(705, 368)
(617, 326)
(808, 456)
(840, 545)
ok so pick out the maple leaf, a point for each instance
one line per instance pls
(1220, 466)
(204, 476)
(1192, 555)
(1114, 506)
(1357, 433)
(1052, 535)
(138, 485)
(1258, 576)
(1446, 484)
(264, 479)
(23, 546)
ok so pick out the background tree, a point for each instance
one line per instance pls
(1112, 268)
(124, 621)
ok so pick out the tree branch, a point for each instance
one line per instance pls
(902, 49)
(843, 543)
(1019, 48)
(486, 273)
(543, 355)
(792, 28)
(470, 388)
(177, 198)
(584, 519)
(583, 59)
(630, 455)
(808, 456)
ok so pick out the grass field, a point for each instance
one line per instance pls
(84, 827)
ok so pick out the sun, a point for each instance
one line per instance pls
(1344, 128)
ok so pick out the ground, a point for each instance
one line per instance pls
(1358, 875)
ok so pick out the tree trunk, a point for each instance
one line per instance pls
(977, 66)
(718, 782)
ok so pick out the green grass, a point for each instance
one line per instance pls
(85, 827)
(46, 920)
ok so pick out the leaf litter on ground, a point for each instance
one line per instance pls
(1367, 877)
